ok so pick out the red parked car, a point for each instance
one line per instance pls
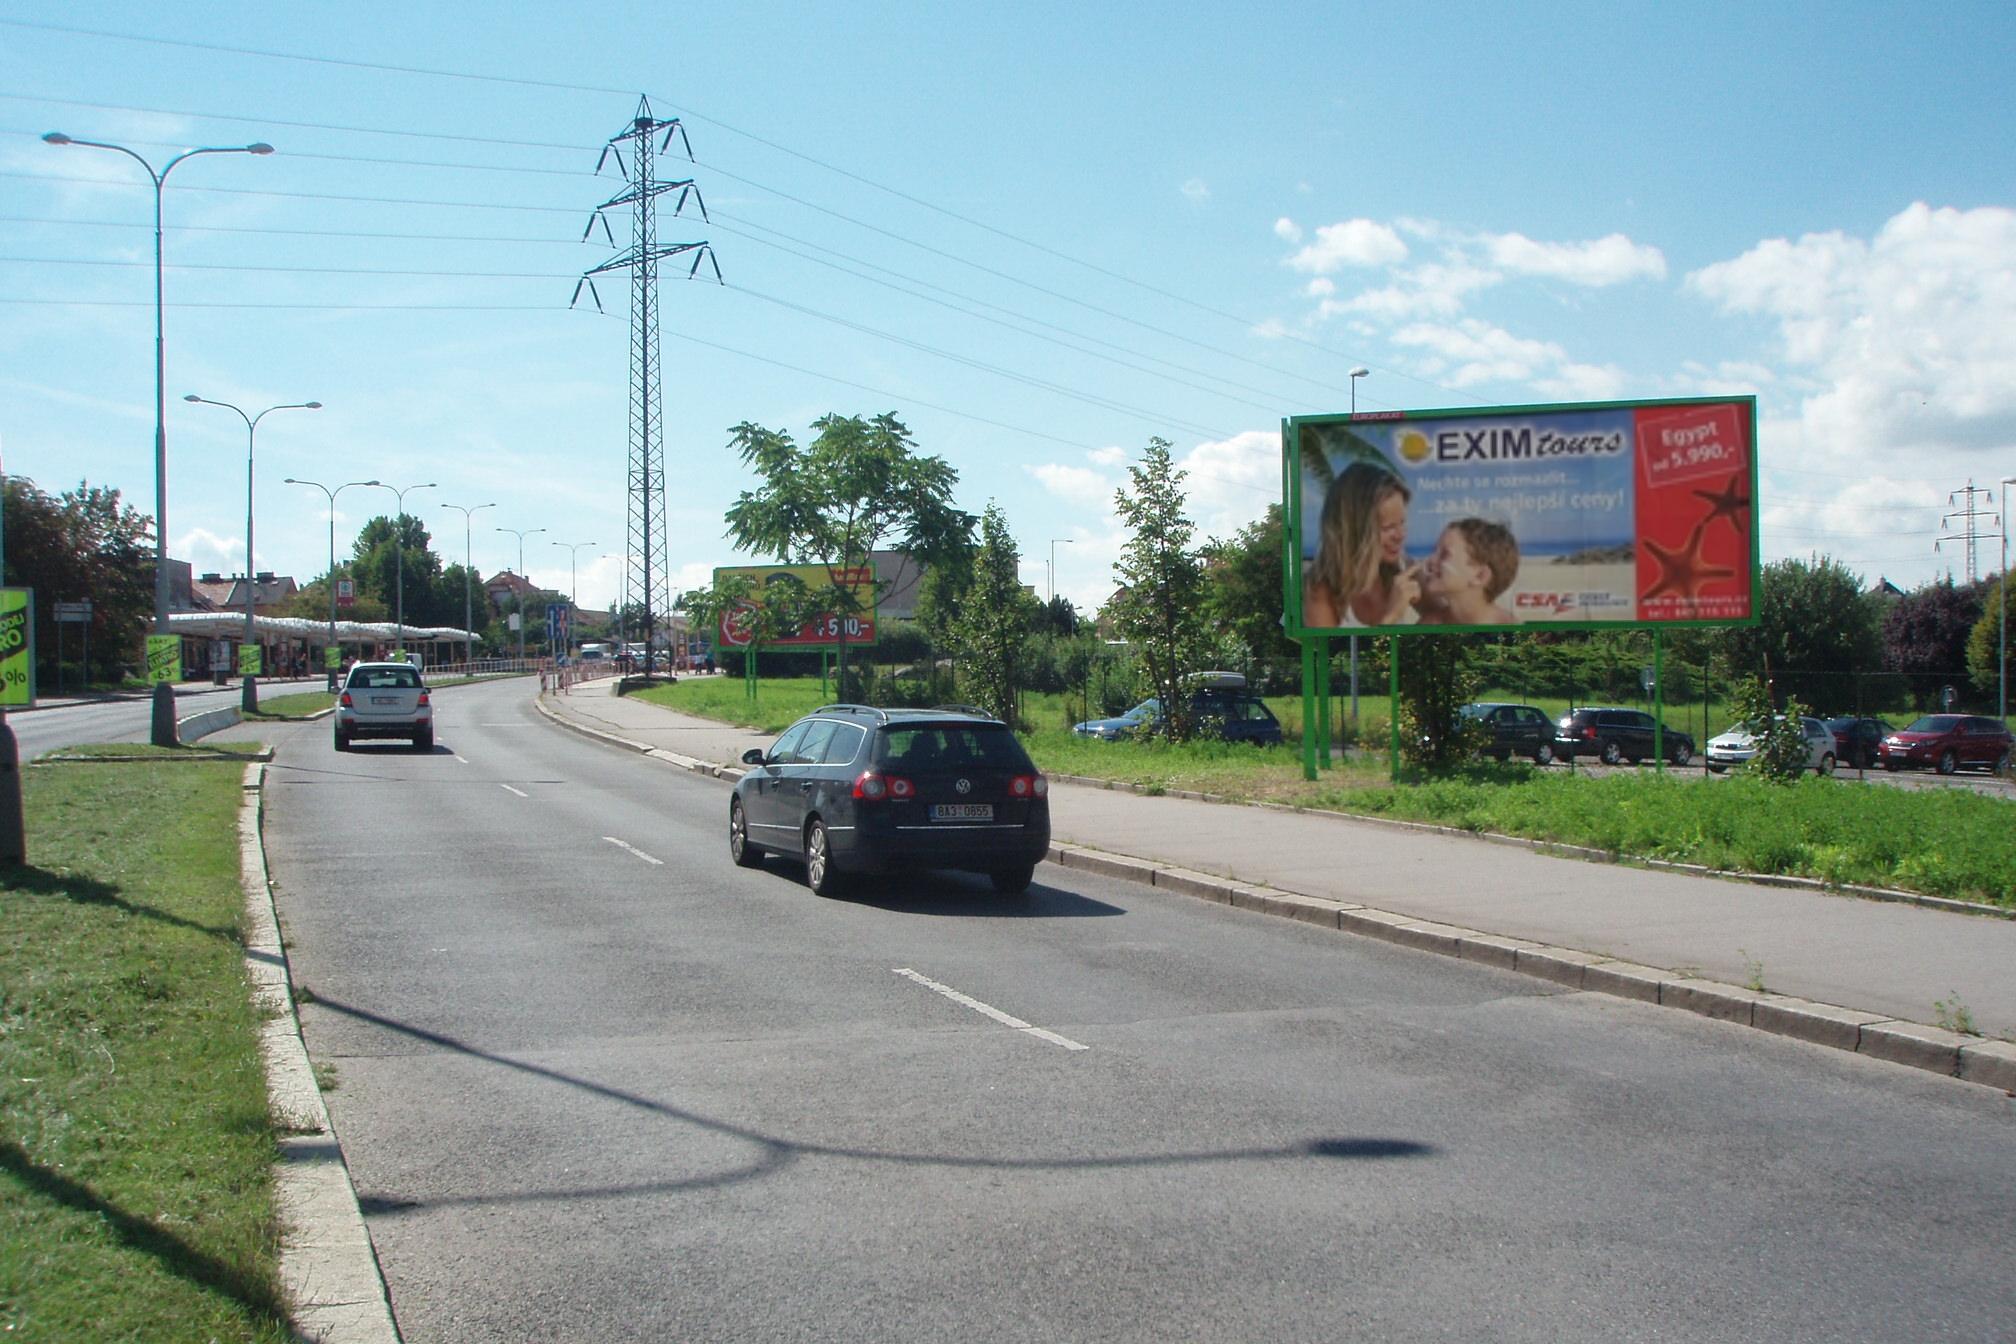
(1948, 741)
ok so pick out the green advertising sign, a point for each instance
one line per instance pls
(17, 646)
(332, 658)
(164, 658)
(251, 660)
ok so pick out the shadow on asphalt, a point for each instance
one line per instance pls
(773, 1153)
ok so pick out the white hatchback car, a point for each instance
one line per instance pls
(384, 700)
(1737, 746)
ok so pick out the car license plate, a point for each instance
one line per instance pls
(384, 699)
(962, 812)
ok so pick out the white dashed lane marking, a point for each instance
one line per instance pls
(621, 844)
(1005, 1019)
(520, 792)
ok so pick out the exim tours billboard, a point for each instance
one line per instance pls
(1593, 514)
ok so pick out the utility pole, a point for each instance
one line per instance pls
(1971, 514)
(645, 138)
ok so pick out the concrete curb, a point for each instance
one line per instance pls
(1558, 850)
(730, 773)
(206, 723)
(328, 1270)
(1990, 1063)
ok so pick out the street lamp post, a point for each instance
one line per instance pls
(1055, 542)
(573, 549)
(249, 698)
(1360, 372)
(163, 731)
(332, 561)
(399, 552)
(468, 561)
(2002, 585)
(521, 534)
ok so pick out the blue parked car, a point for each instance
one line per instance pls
(1222, 707)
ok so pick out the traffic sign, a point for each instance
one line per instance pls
(73, 613)
(559, 631)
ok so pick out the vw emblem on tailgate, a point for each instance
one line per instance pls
(964, 786)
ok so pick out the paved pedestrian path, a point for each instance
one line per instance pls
(1897, 960)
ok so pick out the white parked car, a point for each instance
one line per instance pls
(384, 700)
(1738, 746)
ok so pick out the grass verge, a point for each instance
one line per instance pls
(136, 1149)
(1940, 842)
(187, 751)
(293, 706)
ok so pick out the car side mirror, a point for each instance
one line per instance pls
(753, 756)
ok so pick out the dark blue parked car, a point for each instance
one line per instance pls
(1220, 712)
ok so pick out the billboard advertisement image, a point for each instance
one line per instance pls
(1602, 514)
(822, 631)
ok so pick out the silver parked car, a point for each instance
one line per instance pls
(1738, 746)
(384, 700)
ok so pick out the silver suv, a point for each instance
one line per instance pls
(384, 700)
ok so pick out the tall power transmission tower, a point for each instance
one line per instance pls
(635, 150)
(1974, 523)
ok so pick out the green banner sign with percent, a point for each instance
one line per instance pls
(332, 658)
(251, 661)
(17, 646)
(164, 658)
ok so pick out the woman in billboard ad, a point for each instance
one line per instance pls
(1555, 515)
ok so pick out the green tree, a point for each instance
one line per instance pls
(860, 486)
(1815, 626)
(1780, 738)
(1436, 680)
(376, 563)
(1160, 605)
(82, 545)
(1984, 641)
(994, 620)
(1243, 589)
(760, 615)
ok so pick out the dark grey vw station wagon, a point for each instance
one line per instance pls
(852, 789)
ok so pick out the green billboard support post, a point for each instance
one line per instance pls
(1323, 704)
(1308, 708)
(1658, 706)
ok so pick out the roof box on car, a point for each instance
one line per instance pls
(1216, 681)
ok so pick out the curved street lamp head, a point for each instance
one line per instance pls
(192, 397)
(259, 147)
(311, 405)
(1361, 372)
(57, 138)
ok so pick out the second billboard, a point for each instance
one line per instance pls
(1595, 514)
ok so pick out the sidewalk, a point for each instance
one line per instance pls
(1893, 960)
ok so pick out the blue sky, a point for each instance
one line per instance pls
(1134, 220)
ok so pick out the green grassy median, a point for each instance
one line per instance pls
(136, 1150)
(296, 706)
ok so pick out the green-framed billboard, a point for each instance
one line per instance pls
(1581, 515)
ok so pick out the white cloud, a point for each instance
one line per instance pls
(1287, 228)
(1080, 485)
(1232, 481)
(206, 551)
(1354, 242)
(1196, 190)
(1480, 352)
(1111, 456)
(1606, 261)
(1908, 338)
(1322, 287)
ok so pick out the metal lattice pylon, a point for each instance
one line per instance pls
(646, 575)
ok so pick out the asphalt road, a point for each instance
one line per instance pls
(595, 1083)
(126, 719)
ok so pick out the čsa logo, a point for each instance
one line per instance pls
(1554, 602)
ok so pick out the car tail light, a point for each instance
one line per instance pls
(423, 697)
(1589, 731)
(872, 787)
(900, 787)
(346, 700)
(1028, 786)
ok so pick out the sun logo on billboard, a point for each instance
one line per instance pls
(1414, 446)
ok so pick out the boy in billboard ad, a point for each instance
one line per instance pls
(1602, 514)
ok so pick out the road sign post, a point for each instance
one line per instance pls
(559, 633)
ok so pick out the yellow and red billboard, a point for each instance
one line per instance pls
(821, 631)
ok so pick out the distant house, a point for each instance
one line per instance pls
(270, 593)
(505, 585)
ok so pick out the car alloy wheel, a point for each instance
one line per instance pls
(1681, 754)
(745, 854)
(1543, 754)
(1612, 753)
(820, 873)
(1826, 766)
(1948, 762)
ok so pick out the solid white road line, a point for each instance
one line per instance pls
(621, 844)
(1005, 1019)
(520, 792)
(463, 759)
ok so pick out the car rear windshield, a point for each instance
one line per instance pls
(950, 746)
(1935, 723)
(385, 679)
